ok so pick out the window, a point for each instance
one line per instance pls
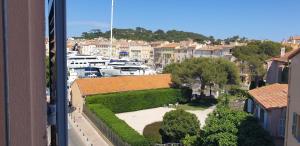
(249, 106)
(282, 125)
(261, 115)
(296, 126)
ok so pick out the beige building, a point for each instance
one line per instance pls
(183, 53)
(82, 88)
(141, 52)
(165, 54)
(292, 133)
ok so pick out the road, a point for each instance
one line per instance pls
(74, 138)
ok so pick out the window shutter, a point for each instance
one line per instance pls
(249, 106)
(294, 126)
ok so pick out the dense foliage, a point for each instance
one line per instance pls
(255, 53)
(136, 100)
(235, 39)
(151, 132)
(227, 127)
(147, 35)
(189, 140)
(177, 124)
(124, 131)
(106, 105)
(206, 71)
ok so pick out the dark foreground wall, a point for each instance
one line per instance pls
(26, 74)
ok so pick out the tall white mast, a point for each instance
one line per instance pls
(111, 27)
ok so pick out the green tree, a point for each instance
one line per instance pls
(177, 124)
(228, 127)
(206, 71)
(189, 140)
(254, 54)
(140, 33)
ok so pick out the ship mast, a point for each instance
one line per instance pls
(111, 28)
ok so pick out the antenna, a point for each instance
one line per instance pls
(111, 27)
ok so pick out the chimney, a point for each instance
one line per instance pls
(282, 52)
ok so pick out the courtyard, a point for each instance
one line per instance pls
(138, 120)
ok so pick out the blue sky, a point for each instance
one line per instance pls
(255, 19)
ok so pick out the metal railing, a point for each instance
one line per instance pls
(109, 134)
(169, 144)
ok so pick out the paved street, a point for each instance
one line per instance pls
(84, 133)
(74, 137)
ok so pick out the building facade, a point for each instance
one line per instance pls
(81, 88)
(165, 54)
(292, 134)
(269, 104)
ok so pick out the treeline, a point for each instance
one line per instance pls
(140, 33)
(254, 55)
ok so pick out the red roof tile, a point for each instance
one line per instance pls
(271, 96)
(92, 86)
(294, 53)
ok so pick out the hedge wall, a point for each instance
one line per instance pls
(137, 100)
(105, 106)
(119, 127)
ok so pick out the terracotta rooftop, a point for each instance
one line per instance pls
(92, 86)
(294, 53)
(271, 96)
(172, 45)
(295, 38)
(286, 56)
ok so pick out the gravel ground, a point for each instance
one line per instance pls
(139, 119)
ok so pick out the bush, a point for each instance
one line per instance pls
(177, 124)
(151, 132)
(232, 128)
(249, 137)
(240, 93)
(221, 139)
(189, 140)
(137, 100)
(118, 126)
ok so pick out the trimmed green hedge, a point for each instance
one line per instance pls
(137, 100)
(124, 131)
(105, 106)
(151, 132)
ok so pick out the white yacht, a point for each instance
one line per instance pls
(81, 61)
(127, 70)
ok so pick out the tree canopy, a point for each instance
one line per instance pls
(140, 33)
(177, 124)
(227, 127)
(206, 71)
(255, 53)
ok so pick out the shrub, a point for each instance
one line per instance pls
(118, 126)
(231, 128)
(151, 132)
(177, 124)
(136, 100)
(189, 140)
(249, 137)
(221, 139)
(239, 93)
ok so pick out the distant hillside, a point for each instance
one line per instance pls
(147, 35)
